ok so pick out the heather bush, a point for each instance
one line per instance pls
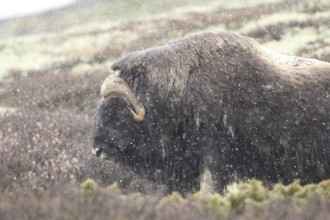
(50, 91)
(46, 150)
(41, 149)
(111, 203)
(252, 200)
(69, 203)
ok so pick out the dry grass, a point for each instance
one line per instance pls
(97, 44)
(43, 150)
(93, 202)
(49, 90)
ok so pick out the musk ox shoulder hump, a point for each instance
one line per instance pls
(170, 66)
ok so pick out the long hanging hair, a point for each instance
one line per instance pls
(223, 101)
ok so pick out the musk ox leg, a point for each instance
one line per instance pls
(216, 168)
(184, 186)
(206, 182)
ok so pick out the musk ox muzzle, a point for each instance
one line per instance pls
(97, 151)
(101, 153)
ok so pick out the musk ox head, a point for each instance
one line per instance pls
(117, 109)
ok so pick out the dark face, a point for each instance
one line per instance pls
(116, 134)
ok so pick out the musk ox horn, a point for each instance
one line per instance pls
(114, 86)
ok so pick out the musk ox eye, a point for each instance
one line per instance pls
(140, 70)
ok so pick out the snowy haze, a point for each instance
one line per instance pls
(20, 8)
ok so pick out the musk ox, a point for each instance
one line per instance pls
(219, 101)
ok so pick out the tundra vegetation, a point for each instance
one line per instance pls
(51, 68)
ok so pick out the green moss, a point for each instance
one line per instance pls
(211, 203)
(298, 193)
(252, 191)
(175, 198)
(197, 197)
(325, 184)
(218, 205)
(88, 186)
(113, 189)
(306, 191)
(292, 188)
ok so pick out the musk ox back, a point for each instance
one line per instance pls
(217, 101)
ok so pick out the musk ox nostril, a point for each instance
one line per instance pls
(97, 151)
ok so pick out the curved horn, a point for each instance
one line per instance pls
(114, 86)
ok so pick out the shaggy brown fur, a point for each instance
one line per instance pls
(223, 101)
